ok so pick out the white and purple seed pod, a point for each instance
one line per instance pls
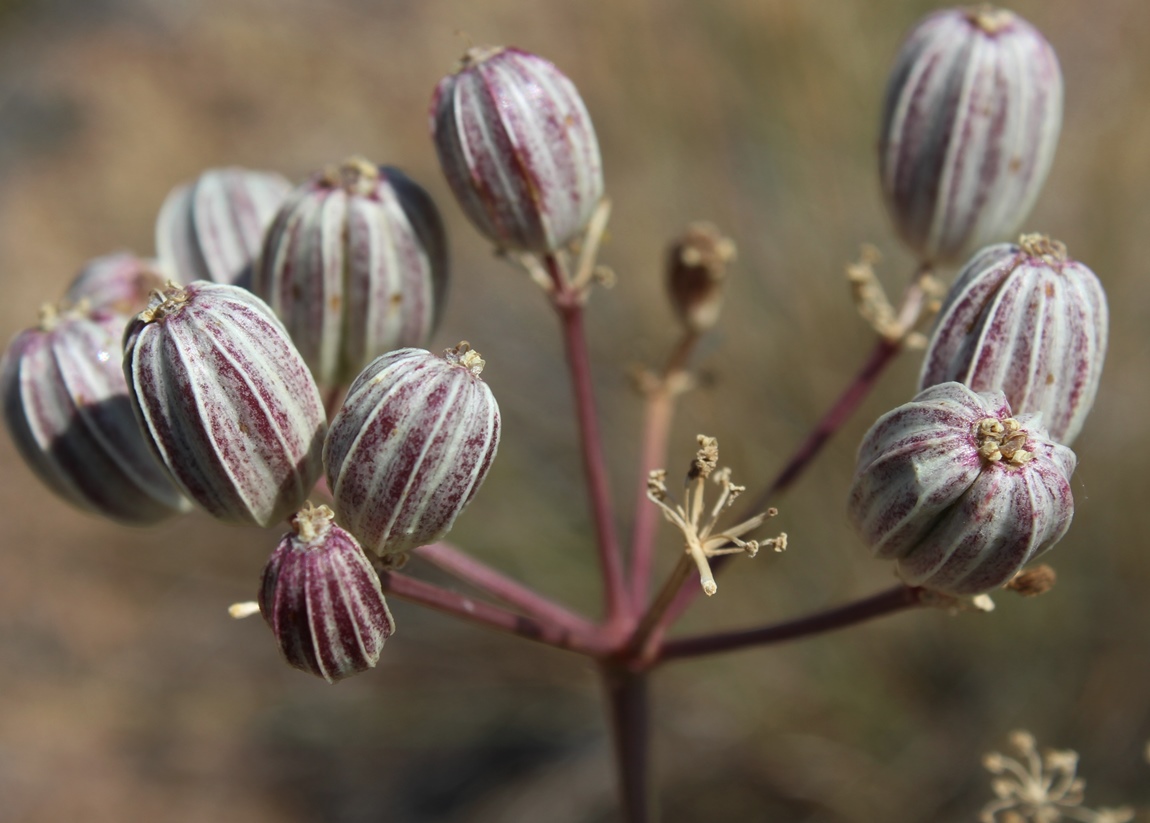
(66, 406)
(226, 401)
(970, 124)
(213, 227)
(355, 265)
(411, 446)
(1030, 322)
(120, 282)
(960, 492)
(518, 149)
(322, 599)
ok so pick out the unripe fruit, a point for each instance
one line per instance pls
(959, 491)
(970, 124)
(322, 599)
(355, 265)
(120, 283)
(410, 447)
(227, 402)
(518, 149)
(213, 227)
(1028, 321)
(67, 408)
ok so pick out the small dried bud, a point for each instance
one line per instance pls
(1028, 321)
(213, 228)
(1033, 582)
(67, 408)
(118, 283)
(696, 269)
(959, 491)
(410, 447)
(355, 265)
(323, 600)
(518, 149)
(970, 124)
(227, 402)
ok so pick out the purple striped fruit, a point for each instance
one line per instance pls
(322, 599)
(355, 265)
(1028, 321)
(970, 124)
(213, 227)
(67, 408)
(960, 492)
(410, 447)
(518, 149)
(226, 401)
(118, 282)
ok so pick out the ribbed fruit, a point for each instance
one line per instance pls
(213, 227)
(67, 408)
(518, 149)
(120, 282)
(226, 400)
(322, 599)
(970, 124)
(355, 265)
(1028, 321)
(410, 447)
(959, 491)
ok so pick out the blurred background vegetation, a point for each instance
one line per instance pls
(126, 692)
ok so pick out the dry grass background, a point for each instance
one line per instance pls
(127, 694)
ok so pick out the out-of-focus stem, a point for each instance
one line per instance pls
(593, 643)
(657, 417)
(569, 305)
(466, 568)
(888, 602)
(643, 633)
(628, 705)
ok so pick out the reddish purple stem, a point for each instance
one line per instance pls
(464, 567)
(569, 306)
(888, 602)
(593, 643)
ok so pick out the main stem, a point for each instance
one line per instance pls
(630, 726)
(568, 304)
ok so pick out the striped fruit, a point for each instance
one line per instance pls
(959, 491)
(518, 149)
(226, 401)
(411, 446)
(970, 124)
(67, 408)
(120, 282)
(355, 265)
(1025, 320)
(212, 228)
(322, 599)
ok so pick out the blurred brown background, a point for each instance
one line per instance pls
(126, 692)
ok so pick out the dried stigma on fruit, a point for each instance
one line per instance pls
(226, 400)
